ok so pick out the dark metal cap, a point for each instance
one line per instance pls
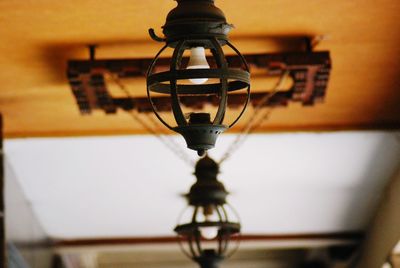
(206, 169)
(196, 19)
(207, 189)
(200, 137)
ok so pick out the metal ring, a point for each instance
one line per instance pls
(207, 89)
(221, 63)
(148, 74)
(248, 88)
(175, 63)
(233, 74)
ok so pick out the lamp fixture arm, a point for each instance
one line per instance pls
(155, 37)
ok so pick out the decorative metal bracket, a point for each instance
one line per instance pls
(309, 70)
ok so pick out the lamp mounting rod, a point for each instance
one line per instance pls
(92, 51)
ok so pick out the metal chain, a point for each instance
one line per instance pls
(165, 139)
(252, 123)
(175, 146)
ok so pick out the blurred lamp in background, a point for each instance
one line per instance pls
(209, 228)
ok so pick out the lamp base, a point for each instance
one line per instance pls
(200, 137)
(211, 264)
(209, 259)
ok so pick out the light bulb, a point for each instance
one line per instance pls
(209, 232)
(198, 60)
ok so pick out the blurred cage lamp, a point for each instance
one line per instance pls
(197, 27)
(208, 229)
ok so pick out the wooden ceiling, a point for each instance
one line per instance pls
(39, 37)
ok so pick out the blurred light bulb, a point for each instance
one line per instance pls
(209, 232)
(198, 60)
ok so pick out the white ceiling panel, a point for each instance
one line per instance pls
(129, 185)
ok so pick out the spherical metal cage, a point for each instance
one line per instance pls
(199, 135)
(196, 246)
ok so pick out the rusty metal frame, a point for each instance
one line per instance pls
(310, 72)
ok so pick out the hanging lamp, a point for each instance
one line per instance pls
(197, 28)
(208, 229)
